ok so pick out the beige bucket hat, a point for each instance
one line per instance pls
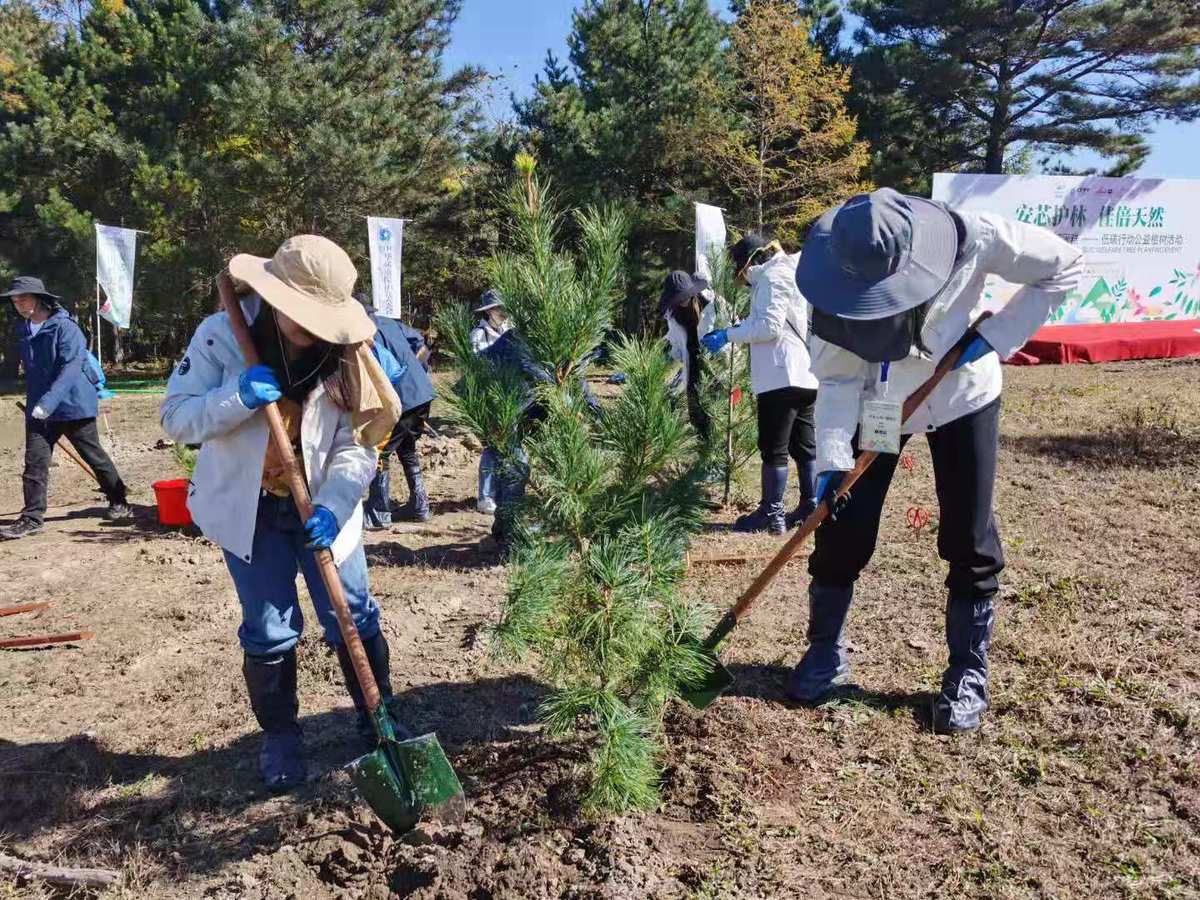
(310, 279)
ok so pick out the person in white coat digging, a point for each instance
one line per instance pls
(784, 388)
(895, 282)
(314, 341)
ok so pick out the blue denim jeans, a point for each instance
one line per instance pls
(488, 462)
(271, 618)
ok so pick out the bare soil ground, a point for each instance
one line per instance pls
(135, 750)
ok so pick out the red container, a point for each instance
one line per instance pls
(171, 497)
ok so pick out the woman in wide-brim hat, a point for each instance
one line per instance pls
(313, 339)
(894, 281)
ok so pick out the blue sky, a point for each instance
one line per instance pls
(510, 39)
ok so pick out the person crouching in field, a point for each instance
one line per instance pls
(61, 400)
(313, 339)
(894, 281)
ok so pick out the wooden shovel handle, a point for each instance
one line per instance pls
(67, 450)
(299, 489)
(861, 464)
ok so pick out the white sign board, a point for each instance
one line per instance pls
(386, 238)
(1140, 238)
(116, 249)
(710, 235)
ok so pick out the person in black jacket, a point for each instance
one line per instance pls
(416, 393)
(61, 401)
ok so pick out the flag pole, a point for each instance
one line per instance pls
(99, 358)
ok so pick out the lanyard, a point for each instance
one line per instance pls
(883, 376)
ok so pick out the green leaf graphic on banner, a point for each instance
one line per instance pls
(1156, 291)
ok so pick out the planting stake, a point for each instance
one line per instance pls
(719, 679)
(37, 641)
(399, 779)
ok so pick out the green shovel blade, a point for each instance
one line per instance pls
(401, 780)
(702, 692)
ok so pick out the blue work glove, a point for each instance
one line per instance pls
(827, 485)
(321, 529)
(977, 349)
(258, 386)
(715, 340)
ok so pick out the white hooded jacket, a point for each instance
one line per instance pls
(1049, 268)
(203, 406)
(776, 328)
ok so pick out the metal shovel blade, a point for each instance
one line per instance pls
(403, 780)
(703, 692)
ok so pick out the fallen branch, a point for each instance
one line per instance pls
(36, 641)
(65, 876)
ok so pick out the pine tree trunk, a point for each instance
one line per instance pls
(997, 143)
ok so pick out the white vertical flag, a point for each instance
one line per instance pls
(710, 235)
(116, 249)
(387, 243)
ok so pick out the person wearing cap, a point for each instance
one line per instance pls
(490, 329)
(314, 342)
(894, 281)
(394, 342)
(61, 400)
(690, 308)
(784, 387)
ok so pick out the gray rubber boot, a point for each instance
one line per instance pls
(271, 682)
(769, 516)
(379, 656)
(808, 494)
(825, 665)
(964, 697)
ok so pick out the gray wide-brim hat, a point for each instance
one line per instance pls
(678, 289)
(27, 284)
(877, 255)
(489, 299)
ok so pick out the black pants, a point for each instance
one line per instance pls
(696, 414)
(785, 426)
(403, 441)
(964, 473)
(40, 438)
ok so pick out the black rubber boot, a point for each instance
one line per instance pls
(377, 511)
(271, 682)
(379, 658)
(417, 507)
(769, 516)
(964, 697)
(808, 494)
(825, 665)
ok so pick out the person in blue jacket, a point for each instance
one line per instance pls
(399, 344)
(60, 401)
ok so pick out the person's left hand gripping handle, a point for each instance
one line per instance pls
(258, 386)
(321, 529)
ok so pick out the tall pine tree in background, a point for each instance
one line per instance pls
(601, 128)
(959, 85)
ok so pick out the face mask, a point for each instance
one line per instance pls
(875, 340)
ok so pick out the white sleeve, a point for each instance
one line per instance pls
(766, 322)
(349, 470)
(202, 399)
(479, 341)
(1048, 266)
(843, 378)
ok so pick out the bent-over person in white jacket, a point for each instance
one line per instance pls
(895, 282)
(784, 387)
(307, 330)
